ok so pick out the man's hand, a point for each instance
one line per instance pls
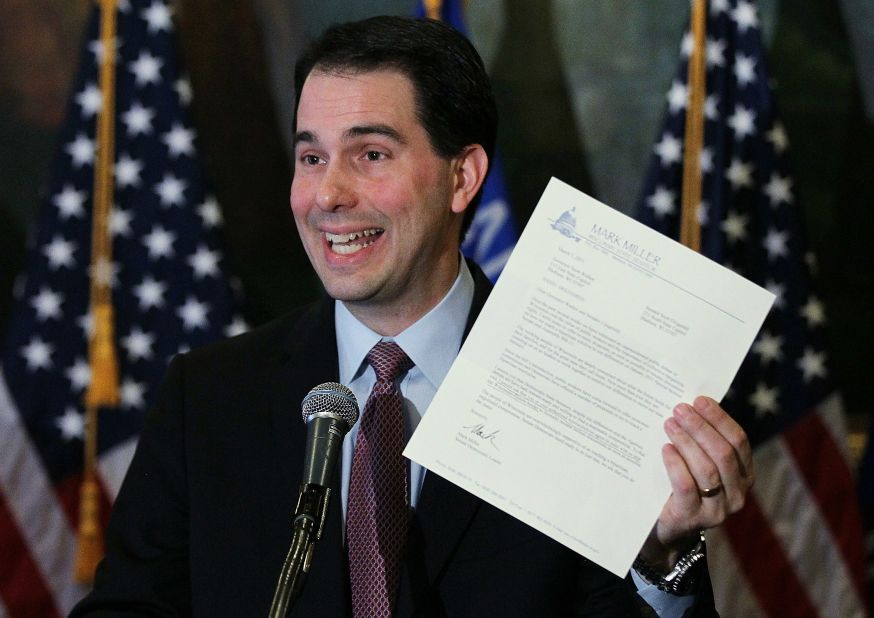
(709, 462)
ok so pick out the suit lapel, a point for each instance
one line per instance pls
(443, 514)
(309, 358)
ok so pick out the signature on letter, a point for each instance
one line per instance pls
(479, 430)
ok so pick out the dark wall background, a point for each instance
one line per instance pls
(580, 87)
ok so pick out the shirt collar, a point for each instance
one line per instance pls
(432, 342)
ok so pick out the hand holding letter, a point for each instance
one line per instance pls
(708, 451)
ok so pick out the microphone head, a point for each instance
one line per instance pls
(330, 399)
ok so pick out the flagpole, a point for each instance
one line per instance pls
(103, 387)
(690, 227)
(433, 8)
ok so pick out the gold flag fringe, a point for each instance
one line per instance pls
(103, 388)
(693, 143)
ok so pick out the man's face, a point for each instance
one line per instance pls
(378, 211)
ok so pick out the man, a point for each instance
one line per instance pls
(395, 124)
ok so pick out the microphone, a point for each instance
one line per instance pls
(329, 411)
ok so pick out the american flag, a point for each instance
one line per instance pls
(492, 234)
(795, 549)
(168, 289)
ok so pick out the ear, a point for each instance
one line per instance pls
(470, 171)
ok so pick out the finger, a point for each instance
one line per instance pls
(718, 454)
(713, 413)
(685, 496)
(704, 471)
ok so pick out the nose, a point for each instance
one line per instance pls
(335, 190)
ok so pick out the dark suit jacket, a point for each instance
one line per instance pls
(203, 520)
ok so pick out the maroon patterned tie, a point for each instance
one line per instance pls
(378, 513)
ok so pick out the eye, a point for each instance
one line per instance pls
(374, 155)
(310, 159)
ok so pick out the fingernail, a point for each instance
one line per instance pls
(681, 410)
(671, 426)
(701, 403)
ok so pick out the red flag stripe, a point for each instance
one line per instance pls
(769, 573)
(831, 482)
(22, 587)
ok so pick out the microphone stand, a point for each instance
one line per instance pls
(309, 523)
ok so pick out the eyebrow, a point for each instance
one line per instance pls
(309, 137)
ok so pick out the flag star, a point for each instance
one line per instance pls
(779, 189)
(127, 172)
(703, 214)
(71, 424)
(718, 6)
(662, 202)
(132, 394)
(38, 354)
(104, 272)
(764, 400)
(86, 323)
(812, 364)
(677, 96)
(90, 100)
(714, 53)
(159, 243)
(745, 69)
(158, 17)
(193, 314)
(179, 140)
(96, 48)
(811, 261)
(171, 190)
(119, 222)
(124, 6)
(735, 226)
(69, 202)
(81, 150)
(204, 262)
(688, 45)
(711, 107)
(769, 348)
(150, 293)
(778, 290)
(745, 16)
(183, 90)
(209, 212)
(138, 119)
(742, 122)
(669, 149)
(146, 68)
(777, 136)
(60, 253)
(813, 311)
(79, 374)
(237, 327)
(739, 174)
(705, 160)
(47, 304)
(775, 244)
(138, 344)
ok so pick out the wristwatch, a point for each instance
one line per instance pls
(683, 576)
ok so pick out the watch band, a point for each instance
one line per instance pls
(683, 576)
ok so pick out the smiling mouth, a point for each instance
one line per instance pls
(353, 242)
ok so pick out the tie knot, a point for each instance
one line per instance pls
(388, 360)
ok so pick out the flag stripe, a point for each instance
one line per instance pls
(112, 466)
(731, 590)
(805, 538)
(820, 463)
(30, 498)
(770, 574)
(18, 572)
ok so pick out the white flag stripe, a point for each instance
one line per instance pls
(731, 591)
(803, 532)
(113, 465)
(3, 612)
(31, 499)
(831, 411)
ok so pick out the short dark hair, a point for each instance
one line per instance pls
(454, 100)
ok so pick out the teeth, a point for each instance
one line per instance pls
(343, 238)
(338, 242)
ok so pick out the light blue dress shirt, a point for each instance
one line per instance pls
(432, 343)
